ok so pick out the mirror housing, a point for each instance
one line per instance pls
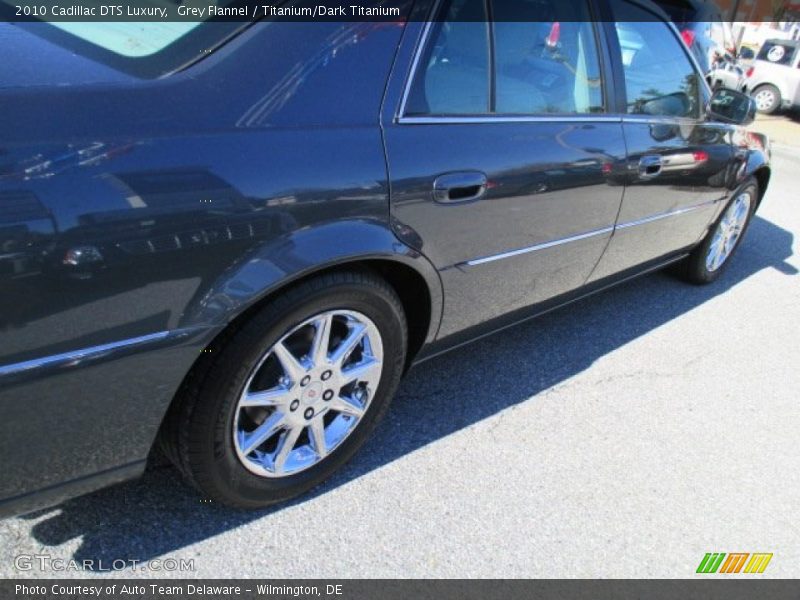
(729, 106)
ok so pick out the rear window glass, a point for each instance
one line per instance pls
(129, 39)
(145, 50)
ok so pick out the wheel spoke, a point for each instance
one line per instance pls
(366, 370)
(741, 211)
(317, 431)
(721, 256)
(713, 252)
(274, 397)
(262, 433)
(347, 345)
(285, 446)
(731, 244)
(291, 366)
(322, 336)
(348, 406)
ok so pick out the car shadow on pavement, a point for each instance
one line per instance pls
(159, 514)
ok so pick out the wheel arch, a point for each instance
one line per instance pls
(752, 161)
(762, 175)
(245, 288)
(407, 282)
(280, 265)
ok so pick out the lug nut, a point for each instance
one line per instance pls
(305, 380)
(309, 413)
(327, 395)
(295, 403)
(326, 375)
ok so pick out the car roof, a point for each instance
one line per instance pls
(688, 12)
(655, 6)
(782, 42)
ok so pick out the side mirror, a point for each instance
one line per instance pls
(729, 106)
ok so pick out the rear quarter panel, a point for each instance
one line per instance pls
(172, 205)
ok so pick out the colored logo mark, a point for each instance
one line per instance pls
(716, 562)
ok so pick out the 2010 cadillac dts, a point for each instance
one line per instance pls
(237, 257)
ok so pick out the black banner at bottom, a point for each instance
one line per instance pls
(255, 589)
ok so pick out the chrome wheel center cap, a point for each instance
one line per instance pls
(312, 394)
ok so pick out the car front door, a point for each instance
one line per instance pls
(500, 151)
(679, 165)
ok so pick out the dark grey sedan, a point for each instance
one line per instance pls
(230, 241)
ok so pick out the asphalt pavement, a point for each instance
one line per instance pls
(624, 436)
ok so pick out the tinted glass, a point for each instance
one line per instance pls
(777, 53)
(143, 50)
(659, 77)
(453, 75)
(545, 58)
(543, 53)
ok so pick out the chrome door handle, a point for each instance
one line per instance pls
(462, 186)
(650, 166)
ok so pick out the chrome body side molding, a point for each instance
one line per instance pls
(589, 234)
(79, 357)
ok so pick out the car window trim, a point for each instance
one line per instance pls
(422, 42)
(510, 118)
(403, 119)
(489, 7)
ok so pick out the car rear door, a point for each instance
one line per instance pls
(678, 163)
(500, 152)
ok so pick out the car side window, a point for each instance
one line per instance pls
(545, 58)
(452, 76)
(777, 53)
(537, 57)
(660, 80)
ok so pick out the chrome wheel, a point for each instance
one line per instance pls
(728, 232)
(765, 100)
(308, 393)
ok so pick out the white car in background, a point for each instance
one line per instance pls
(773, 79)
(727, 73)
(709, 37)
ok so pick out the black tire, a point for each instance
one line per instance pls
(694, 268)
(776, 98)
(198, 431)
